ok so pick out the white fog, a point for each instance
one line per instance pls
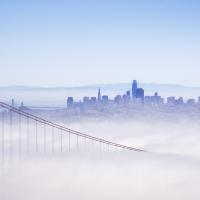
(168, 170)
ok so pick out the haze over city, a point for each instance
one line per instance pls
(99, 100)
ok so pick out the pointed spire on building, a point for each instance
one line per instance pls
(99, 95)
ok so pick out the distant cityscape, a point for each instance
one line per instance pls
(134, 97)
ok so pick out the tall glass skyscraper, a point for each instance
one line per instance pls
(134, 88)
(99, 95)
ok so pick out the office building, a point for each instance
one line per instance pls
(118, 99)
(171, 100)
(70, 102)
(105, 99)
(93, 101)
(140, 94)
(134, 88)
(86, 100)
(190, 102)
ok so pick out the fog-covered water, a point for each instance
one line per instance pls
(169, 170)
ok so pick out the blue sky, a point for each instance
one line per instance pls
(70, 43)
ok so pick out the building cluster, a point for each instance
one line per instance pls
(134, 97)
(180, 101)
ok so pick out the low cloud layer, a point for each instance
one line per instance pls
(170, 170)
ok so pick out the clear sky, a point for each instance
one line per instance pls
(70, 43)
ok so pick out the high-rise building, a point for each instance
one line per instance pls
(171, 100)
(99, 95)
(128, 93)
(118, 99)
(140, 94)
(191, 102)
(70, 102)
(134, 88)
(86, 100)
(93, 100)
(105, 99)
(179, 101)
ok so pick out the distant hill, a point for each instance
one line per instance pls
(112, 86)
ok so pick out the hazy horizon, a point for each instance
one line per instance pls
(84, 85)
(62, 138)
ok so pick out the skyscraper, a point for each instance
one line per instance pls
(134, 88)
(99, 95)
(140, 94)
(105, 99)
(70, 102)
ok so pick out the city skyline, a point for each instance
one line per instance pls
(134, 97)
(68, 43)
(99, 99)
